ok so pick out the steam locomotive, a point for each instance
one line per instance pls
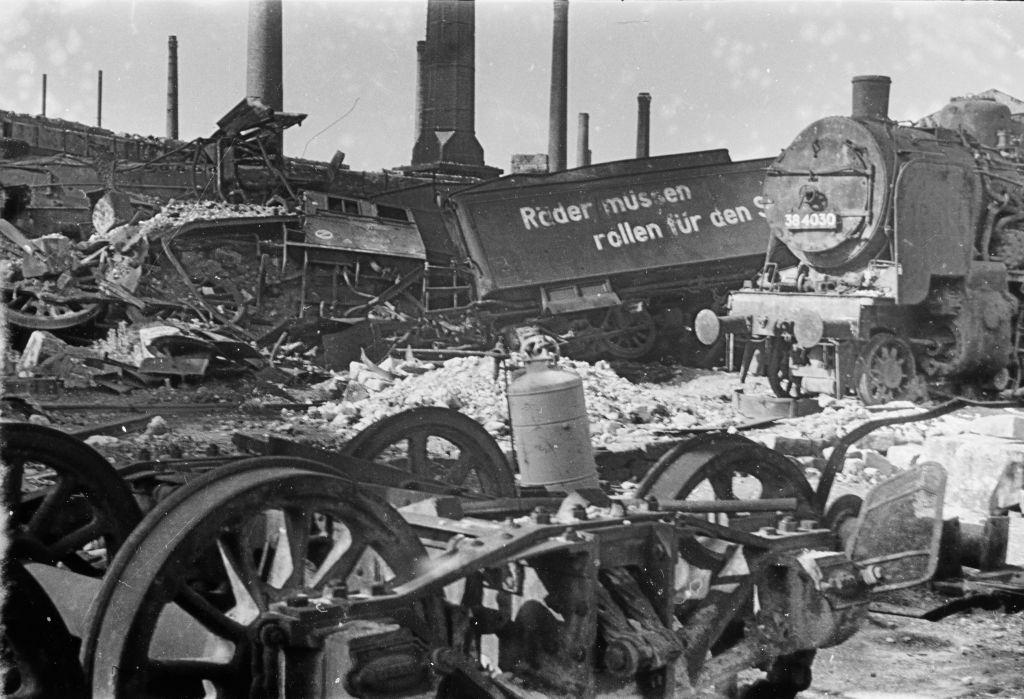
(910, 242)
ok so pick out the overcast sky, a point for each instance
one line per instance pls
(741, 75)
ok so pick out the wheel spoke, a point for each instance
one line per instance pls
(419, 459)
(250, 598)
(55, 496)
(13, 477)
(339, 562)
(76, 539)
(214, 620)
(298, 522)
(458, 474)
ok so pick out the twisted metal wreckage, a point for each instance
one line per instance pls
(413, 563)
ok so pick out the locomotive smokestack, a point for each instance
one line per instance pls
(583, 140)
(557, 127)
(871, 97)
(643, 125)
(172, 87)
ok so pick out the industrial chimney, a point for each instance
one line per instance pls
(447, 140)
(172, 87)
(264, 75)
(421, 88)
(583, 140)
(643, 125)
(557, 118)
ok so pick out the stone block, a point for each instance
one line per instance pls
(904, 456)
(1006, 426)
(791, 446)
(853, 467)
(978, 466)
(881, 465)
(880, 440)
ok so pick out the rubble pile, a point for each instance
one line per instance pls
(177, 213)
(621, 412)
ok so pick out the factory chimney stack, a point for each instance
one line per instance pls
(446, 140)
(583, 140)
(99, 99)
(643, 125)
(559, 87)
(172, 87)
(264, 77)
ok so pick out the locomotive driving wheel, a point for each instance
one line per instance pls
(885, 370)
(68, 505)
(728, 467)
(732, 467)
(182, 609)
(68, 508)
(438, 444)
(629, 334)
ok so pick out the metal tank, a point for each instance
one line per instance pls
(550, 429)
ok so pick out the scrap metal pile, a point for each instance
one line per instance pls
(414, 562)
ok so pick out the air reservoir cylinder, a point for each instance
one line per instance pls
(550, 428)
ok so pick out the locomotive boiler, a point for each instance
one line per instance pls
(910, 241)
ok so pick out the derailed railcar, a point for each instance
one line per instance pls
(614, 255)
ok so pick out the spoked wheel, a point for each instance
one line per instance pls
(727, 467)
(438, 444)
(885, 369)
(631, 334)
(69, 506)
(178, 613)
(731, 467)
(28, 309)
(777, 368)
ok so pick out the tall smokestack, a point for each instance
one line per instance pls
(172, 87)
(583, 140)
(559, 87)
(44, 94)
(264, 76)
(421, 87)
(448, 133)
(99, 99)
(643, 125)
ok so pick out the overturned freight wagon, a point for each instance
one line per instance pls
(612, 258)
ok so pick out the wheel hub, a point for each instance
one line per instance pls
(889, 368)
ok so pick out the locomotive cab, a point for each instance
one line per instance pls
(906, 238)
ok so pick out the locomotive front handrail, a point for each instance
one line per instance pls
(846, 172)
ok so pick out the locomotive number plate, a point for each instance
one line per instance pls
(812, 221)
